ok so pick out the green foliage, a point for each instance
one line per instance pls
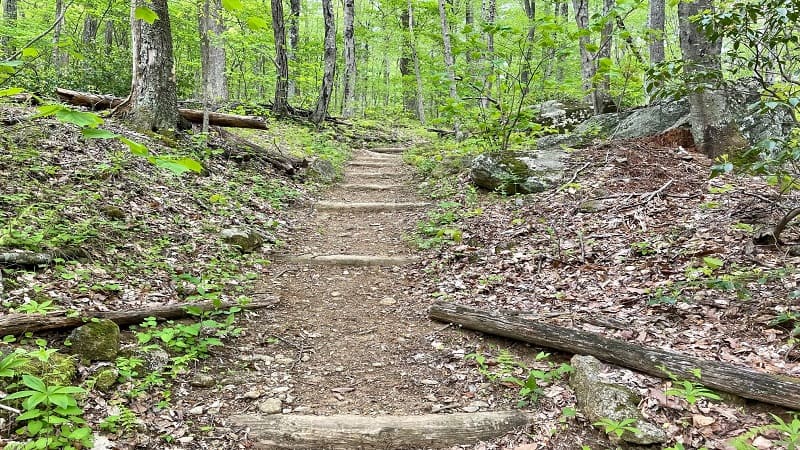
(439, 227)
(618, 428)
(689, 390)
(506, 367)
(194, 340)
(789, 432)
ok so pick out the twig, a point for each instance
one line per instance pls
(656, 192)
(574, 176)
(10, 409)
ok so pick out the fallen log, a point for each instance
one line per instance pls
(20, 323)
(395, 432)
(283, 163)
(782, 390)
(99, 102)
(25, 258)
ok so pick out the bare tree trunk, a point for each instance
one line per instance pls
(406, 64)
(656, 24)
(153, 101)
(525, 75)
(329, 63)
(294, 41)
(420, 106)
(90, 25)
(108, 35)
(280, 106)
(387, 72)
(212, 52)
(709, 114)
(602, 87)
(350, 74)
(58, 60)
(588, 66)
(469, 21)
(9, 20)
(488, 13)
(449, 63)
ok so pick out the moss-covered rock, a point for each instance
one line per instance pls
(97, 340)
(247, 241)
(105, 378)
(57, 369)
(517, 174)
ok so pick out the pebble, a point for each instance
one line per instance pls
(251, 395)
(186, 439)
(270, 406)
(203, 380)
(196, 411)
(336, 294)
(429, 382)
(281, 389)
(387, 301)
(280, 359)
(470, 409)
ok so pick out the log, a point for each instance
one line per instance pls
(286, 164)
(20, 323)
(782, 390)
(99, 102)
(25, 258)
(395, 432)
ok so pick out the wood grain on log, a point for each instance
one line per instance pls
(395, 432)
(21, 323)
(782, 390)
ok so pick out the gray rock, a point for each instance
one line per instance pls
(203, 380)
(518, 174)
(105, 378)
(600, 126)
(600, 399)
(97, 340)
(154, 358)
(271, 406)
(563, 115)
(246, 240)
(559, 141)
(651, 120)
(321, 170)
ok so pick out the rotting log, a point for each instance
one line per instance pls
(25, 258)
(20, 323)
(98, 102)
(286, 164)
(396, 432)
(782, 390)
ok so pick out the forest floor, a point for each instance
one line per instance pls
(638, 244)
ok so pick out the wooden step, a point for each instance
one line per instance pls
(372, 187)
(369, 207)
(346, 260)
(389, 150)
(358, 163)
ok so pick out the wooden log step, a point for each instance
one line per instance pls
(382, 156)
(361, 163)
(372, 187)
(366, 432)
(782, 390)
(353, 174)
(388, 150)
(346, 260)
(369, 207)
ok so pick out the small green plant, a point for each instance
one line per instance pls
(642, 248)
(505, 369)
(35, 307)
(689, 390)
(615, 427)
(790, 320)
(788, 430)
(123, 421)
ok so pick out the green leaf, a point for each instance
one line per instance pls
(713, 263)
(178, 165)
(30, 52)
(136, 148)
(81, 119)
(10, 91)
(97, 133)
(232, 5)
(34, 426)
(28, 415)
(34, 383)
(257, 23)
(146, 14)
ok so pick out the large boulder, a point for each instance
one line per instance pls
(563, 115)
(321, 170)
(600, 398)
(518, 173)
(651, 120)
(97, 340)
(245, 240)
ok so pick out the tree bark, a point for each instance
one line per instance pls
(782, 390)
(153, 101)
(90, 26)
(12, 324)
(656, 21)
(489, 12)
(588, 66)
(380, 432)
(350, 74)
(58, 60)
(525, 73)
(294, 41)
(602, 87)
(449, 63)
(713, 130)
(329, 63)
(420, 105)
(9, 20)
(99, 102)
(406, 63)
(212, 52)
(280, 106)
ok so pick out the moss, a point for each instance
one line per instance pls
(57, 370)
(97, 340)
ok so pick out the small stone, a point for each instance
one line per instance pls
(387, 301)
(202, 380)
(196, 411)
(470, 409)
(270, 406)
(281, 389)
(377, 364)
(429, 382)
(246, 240)
(280, 359)
(305, 358)
(97, 340)
(251, 395)
(186, 439)
(336, 294)
(106, 378)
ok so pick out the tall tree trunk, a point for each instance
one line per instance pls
(294, 41)
(602, 87)
(406, 64)
(329, 64)
(153, 101)
(349, 94)
(90, 25)
(449, 63)
(588, 66)
(280, 106)
(469, 21)
(108, 35)
(9, 19)
(420, 106)
(709, 115)
(489, 12)
(212, 52)
(525, 75)
(656, 24)
(58, 60)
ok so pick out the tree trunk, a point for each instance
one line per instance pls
(469, 21)
(420, 106)
(90, 25)
(9, 20)
(449, 63)
(588, 66)
(153, 101)
(709, 114)
(212, 52)
(294, 41)
(489, 10)
(656, 22)
(12, 324)
(58, 60)
(280, 106)
(329, 63)
(380, 432)
(525, 73)
(406, 64)
(780, 390)
(602, 88)
(350, 74)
